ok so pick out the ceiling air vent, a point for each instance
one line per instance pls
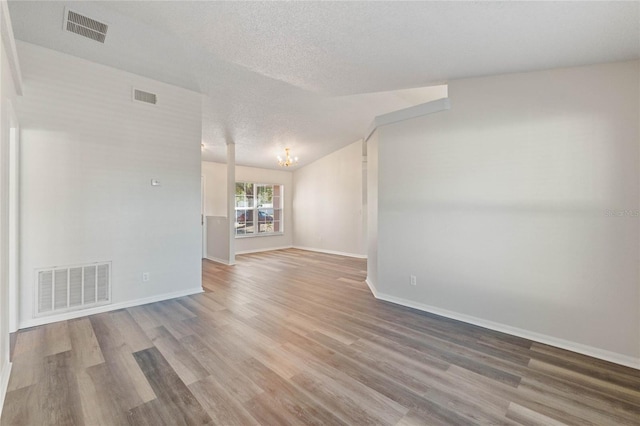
(84, 26)
(142, 96)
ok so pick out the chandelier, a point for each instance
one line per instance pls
(287, 160)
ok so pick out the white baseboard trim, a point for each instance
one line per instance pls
(260, 250)
(5, 373)
(106, 308)
(217, 260)
(594, 352)
(372, 287)
(339, 253)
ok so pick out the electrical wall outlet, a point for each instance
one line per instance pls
(145, 276)
(413, 280)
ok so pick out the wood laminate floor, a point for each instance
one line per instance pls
(294, 337)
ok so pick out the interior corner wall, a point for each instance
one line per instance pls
(89, 154)
(519, 207)
(328, 203)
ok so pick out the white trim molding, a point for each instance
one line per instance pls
(407, 114)
(218, 260)
(514, 331)
(372, 287)
(339, 253)
(106, 308)
(5, 373)
(263, 249)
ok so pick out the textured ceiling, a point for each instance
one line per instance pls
(313, 75)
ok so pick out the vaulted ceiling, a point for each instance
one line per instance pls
(312, 75)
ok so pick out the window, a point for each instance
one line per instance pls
(258, 209)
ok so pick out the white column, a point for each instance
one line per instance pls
(231, 199)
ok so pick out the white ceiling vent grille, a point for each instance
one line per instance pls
(147, 97)
(85, 26)
(72, 288)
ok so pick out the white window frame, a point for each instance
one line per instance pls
(277, 217)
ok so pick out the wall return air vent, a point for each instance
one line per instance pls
(146, 97)
(85, 26)
(71, 288)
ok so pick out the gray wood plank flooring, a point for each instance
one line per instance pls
(293, 338)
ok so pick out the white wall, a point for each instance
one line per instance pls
(7, 98)
(215, 176)
(328, 203)
(217, 234)
(216, 202)
(88, 156)
(501, 207)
